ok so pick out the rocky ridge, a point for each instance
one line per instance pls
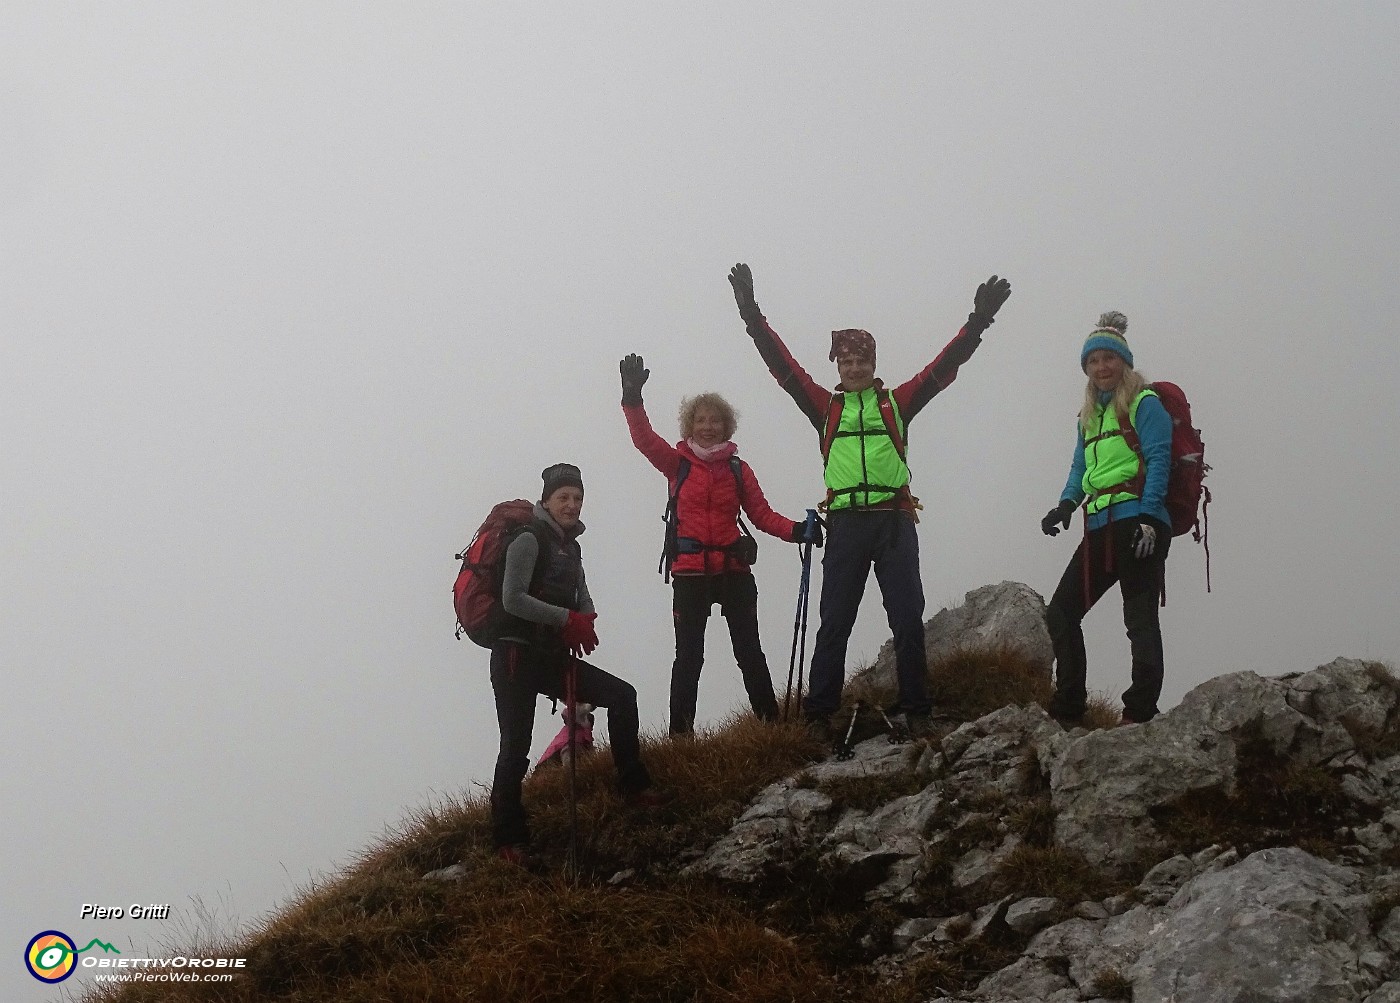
(1243, 846)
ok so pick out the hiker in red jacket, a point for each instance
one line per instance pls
(705, 549)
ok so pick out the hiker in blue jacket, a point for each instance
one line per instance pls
(553, 628)
(1122, 459)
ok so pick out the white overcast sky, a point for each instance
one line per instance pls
(290, 294)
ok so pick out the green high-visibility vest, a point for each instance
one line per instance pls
(864, 462)
(1110, 460)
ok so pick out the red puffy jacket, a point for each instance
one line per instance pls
(708, 507)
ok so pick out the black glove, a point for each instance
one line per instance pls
(741, 278)
(1145, 539)
(986, 302)
(1057, 517)
(633, 377)
(799, 533)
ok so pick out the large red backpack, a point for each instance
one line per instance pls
(1187, 496)
(476, 595)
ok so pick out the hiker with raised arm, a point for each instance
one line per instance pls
(871, 513)
(1122, 461)
(540, 649)
(707, 557)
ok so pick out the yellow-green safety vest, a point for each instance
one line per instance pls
(1111, 457)
(864, 450)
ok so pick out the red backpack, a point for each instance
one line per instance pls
(1186, 484)
(1187, 496)
(476, 595)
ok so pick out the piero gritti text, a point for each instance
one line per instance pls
(156, 910)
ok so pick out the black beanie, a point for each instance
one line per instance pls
(560, 475)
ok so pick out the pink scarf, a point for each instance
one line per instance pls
(719, 451)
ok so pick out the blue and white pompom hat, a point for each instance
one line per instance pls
(1112, 334)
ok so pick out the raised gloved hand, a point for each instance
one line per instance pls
(1144, 540)
(990, 296)
(986, 302)
(799, 534)
(1057, 517)
(741, 278)
(580, 637)
(633, 378)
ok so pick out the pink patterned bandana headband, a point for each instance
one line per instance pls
(852, 341)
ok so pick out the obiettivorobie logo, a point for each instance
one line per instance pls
(51, 956)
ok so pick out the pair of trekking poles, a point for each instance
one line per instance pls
(798, 659)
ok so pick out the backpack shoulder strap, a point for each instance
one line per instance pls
(671, 520)
(889, 411)
(1130, 433)
(682, 472)
(736, 467)
(834, 408)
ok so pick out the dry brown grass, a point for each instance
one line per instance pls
(1113, 985)
(964, 686)
(1053, 872)
(381, 933)
(1102, 711)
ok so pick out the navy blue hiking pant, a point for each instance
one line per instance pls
(518, 673)
(856, 540)
(1109, 552)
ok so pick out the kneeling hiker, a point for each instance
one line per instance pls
(1122, 460)
(552, 625)
(870, 512)
(704, 554)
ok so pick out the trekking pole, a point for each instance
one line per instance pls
(571, 708)
(799, 619)
(846, 750)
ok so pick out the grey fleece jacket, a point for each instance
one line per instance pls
(520, 565)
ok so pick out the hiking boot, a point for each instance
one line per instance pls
(819, 729)
(1125, 719)
(647, 798)
(515, 853)
(918, 726)
(1069, 723)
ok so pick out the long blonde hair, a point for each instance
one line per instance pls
(1128, 388)
(722, 407)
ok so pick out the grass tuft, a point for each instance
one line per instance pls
(869, 792)
(1112, 985)
(1053, 872)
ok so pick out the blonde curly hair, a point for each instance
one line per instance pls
(722, 407)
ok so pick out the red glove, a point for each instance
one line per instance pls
(579, 634)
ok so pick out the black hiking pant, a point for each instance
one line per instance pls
(518, 673)
(1110, 557)
(692, 597)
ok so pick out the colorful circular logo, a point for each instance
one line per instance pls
(50, 956)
